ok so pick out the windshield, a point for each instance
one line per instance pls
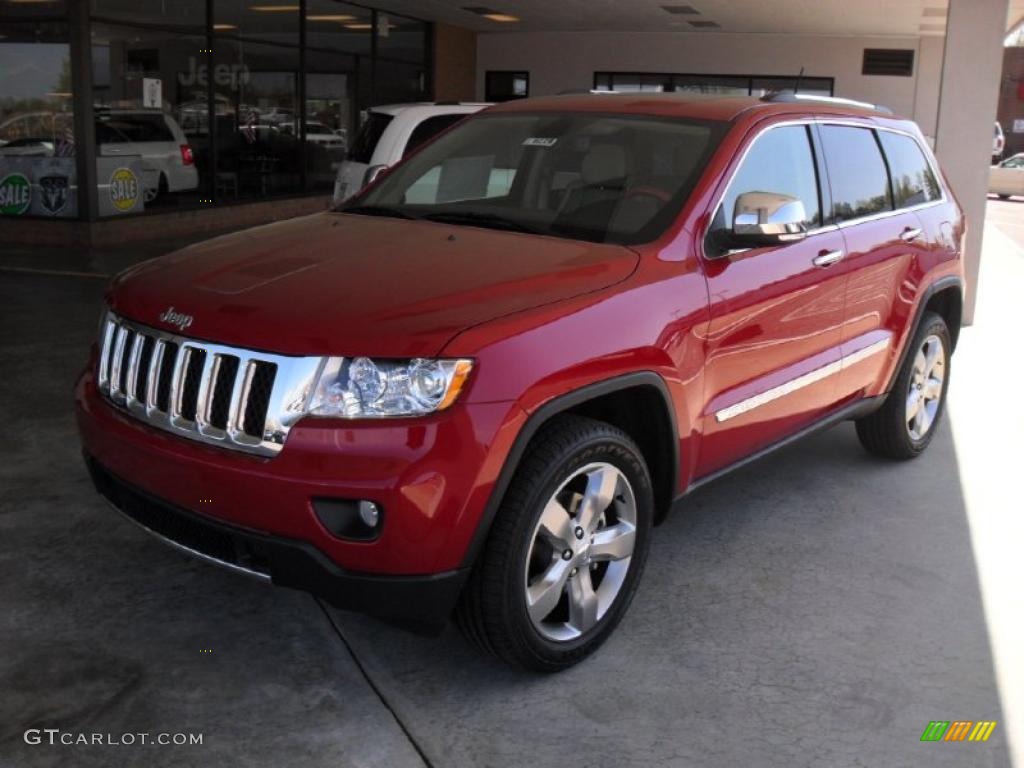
(601, 178)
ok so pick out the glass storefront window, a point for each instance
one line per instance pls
(338, 27)
(152, 131)
(268, 20)
(175, 13)
(259, 153)
(37, 163)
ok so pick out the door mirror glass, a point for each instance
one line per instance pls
(768, 218)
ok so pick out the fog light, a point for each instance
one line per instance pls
(369, 513)
(350, 518)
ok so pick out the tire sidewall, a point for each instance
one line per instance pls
(625, 457)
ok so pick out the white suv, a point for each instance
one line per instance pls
(167, 161)
(388, 134)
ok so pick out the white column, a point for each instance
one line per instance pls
(971, 69)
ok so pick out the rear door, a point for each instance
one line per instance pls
(773, 342)
(886, 240)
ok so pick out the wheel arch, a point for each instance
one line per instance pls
(945, 297)
(639, 403)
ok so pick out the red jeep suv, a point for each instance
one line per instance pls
(476, 387)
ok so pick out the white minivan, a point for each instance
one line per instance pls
(388, 134)
(167, 161)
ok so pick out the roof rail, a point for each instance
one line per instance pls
(789, 97)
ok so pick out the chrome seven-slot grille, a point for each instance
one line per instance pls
(229, 396)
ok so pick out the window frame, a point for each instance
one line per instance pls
(514, 72)
(828, 221)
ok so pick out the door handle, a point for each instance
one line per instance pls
(910, 233)
(827, 258)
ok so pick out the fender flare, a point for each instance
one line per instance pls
(942, 284)
(541, 416)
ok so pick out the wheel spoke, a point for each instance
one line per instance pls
(613, 543)
(601, 484)
(918, 422)
(932, 389)
(556, 524)
(932, 351)
(543, 595)
(582, 601)
(920, 363)
(913, 404)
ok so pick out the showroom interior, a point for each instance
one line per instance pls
(263, 100)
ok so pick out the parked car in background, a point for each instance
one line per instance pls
(388, 134)
(481, 403)
(316, 133)
(27, 147)
(1007, 178)
(998, 143)
(168, 164)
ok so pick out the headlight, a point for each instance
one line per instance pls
(359, 388)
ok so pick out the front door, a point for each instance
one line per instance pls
(776, 313)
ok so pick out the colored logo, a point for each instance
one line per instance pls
(124, 189)
(15, 194)
(958, 730)
(54, 193)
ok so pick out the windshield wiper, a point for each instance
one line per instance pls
(477, 219)
(376, 210)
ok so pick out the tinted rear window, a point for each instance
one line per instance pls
(138, 128)
(913, 182)
(368, 136)
(428, 129)
(857, 173)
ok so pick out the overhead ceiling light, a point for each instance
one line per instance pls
(274, 8)
(59, 94)
(490, 13)
(680, 9)
(332, 17)
(704, 24)
(224, 27)
(359, 25)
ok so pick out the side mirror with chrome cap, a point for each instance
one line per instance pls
(767, 218)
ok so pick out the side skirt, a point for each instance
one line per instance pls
(854, 410)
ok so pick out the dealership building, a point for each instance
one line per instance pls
(129, 119)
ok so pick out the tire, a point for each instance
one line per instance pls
(153, 195)
(890, 431)
(569, 456)
(1003, 197)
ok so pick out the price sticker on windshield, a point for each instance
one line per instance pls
(536, 141)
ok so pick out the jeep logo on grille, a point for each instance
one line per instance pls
(179, 319)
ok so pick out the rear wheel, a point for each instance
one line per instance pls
(906, 422)
(566, 550)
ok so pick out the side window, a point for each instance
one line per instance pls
(428, 129)
(856, 171)
(779, 162)
(913, 181)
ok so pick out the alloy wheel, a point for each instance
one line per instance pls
(924, 395)
(580, 552)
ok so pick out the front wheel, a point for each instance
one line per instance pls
(907, 421)
(565, 552)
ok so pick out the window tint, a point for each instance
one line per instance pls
(428, 129)
(780, 161)
(368, 136)
(137, 128)
(860, 183)
(913, 182)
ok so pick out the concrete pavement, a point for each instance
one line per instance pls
(817, 608)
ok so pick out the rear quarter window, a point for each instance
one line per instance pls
(368, 137)
(428, 129)
(913, 181)
(857, 172)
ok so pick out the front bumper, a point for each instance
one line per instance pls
(432, 477)
(418, 603)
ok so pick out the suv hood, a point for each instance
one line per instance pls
(360, 285)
